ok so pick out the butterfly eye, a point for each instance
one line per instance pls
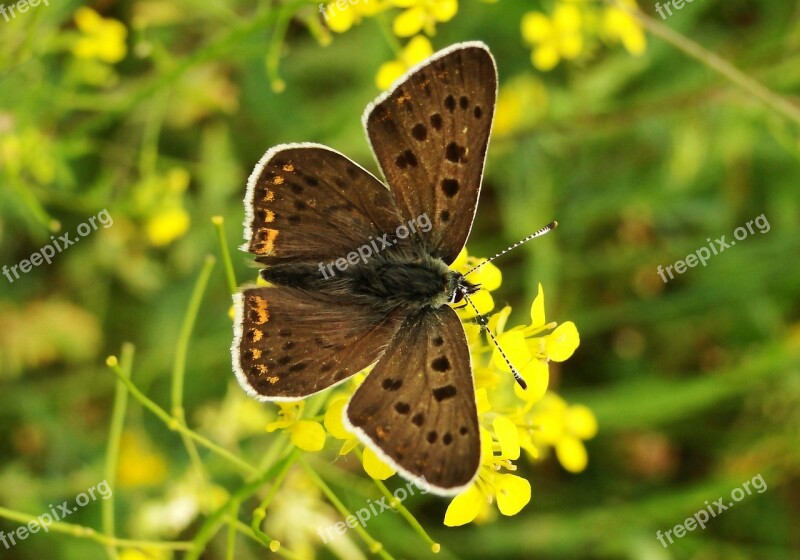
(458, 295)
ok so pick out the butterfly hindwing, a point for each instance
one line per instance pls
(417, 407)
(290, 344)
(430, 133)
(307, 202)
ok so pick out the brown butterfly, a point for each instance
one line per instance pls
(359, 273)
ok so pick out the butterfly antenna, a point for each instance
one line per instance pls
(548, 228)
(485, 326)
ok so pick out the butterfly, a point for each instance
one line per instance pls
(330, 310)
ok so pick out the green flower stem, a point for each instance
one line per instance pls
(260, 513)
(386, 31)
(219, 225)
(112, 451)
(179, 368)
(402, 510)
(32, 203)
(230, 552)
(148, 155)
(768, 97)
(174, 424)
(374, 546)
(213, 521)
(82, 532)
(285, 14)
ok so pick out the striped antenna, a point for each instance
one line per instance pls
(485, 326)
(548, 228)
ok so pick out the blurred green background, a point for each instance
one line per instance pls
(157, 111)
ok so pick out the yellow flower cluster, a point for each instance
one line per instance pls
(574, 26)
(100, 38)
(415, 17)
(158, 199)
(533, 420)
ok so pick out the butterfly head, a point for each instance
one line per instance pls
(463, 288)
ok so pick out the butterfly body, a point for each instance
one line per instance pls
(359, 274)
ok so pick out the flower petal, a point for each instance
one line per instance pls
(308, 435)
(572, 454)
(333, 420)
(488, 276)
(537, 376)
(513, 493)
(537, 309)
(508, 436)
(515, 348)
(464, 507)
(375, 467)
(580, 421)
(562, 342)
(409, 23)
(536, 27)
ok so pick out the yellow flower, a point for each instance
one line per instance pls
(159, 200)
(563, 427)
(139, 464)
(166, 226)
(373, 465)
(101, 38)
(530, 351)
(305, 434)
(341, 15)
(620, 26)
(417, 50)
(512, 492)
(422, 15)
(553, 38)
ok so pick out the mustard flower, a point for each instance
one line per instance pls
(341, 15)
(159, 199)
(373, 465)
(512, 492)
(422, 15)
(563, 427)
(554, 38)
(417, 50)
(619, 26)
(139, 464)
(529, 349)
(100, 38)
(308, 435)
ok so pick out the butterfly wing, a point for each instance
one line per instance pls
(430, 133)
(290, 344)
(417, 407)
(307, 202)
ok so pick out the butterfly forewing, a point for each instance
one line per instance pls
(417, 406)
(290, 344)
(307, 202)
(430, 133)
